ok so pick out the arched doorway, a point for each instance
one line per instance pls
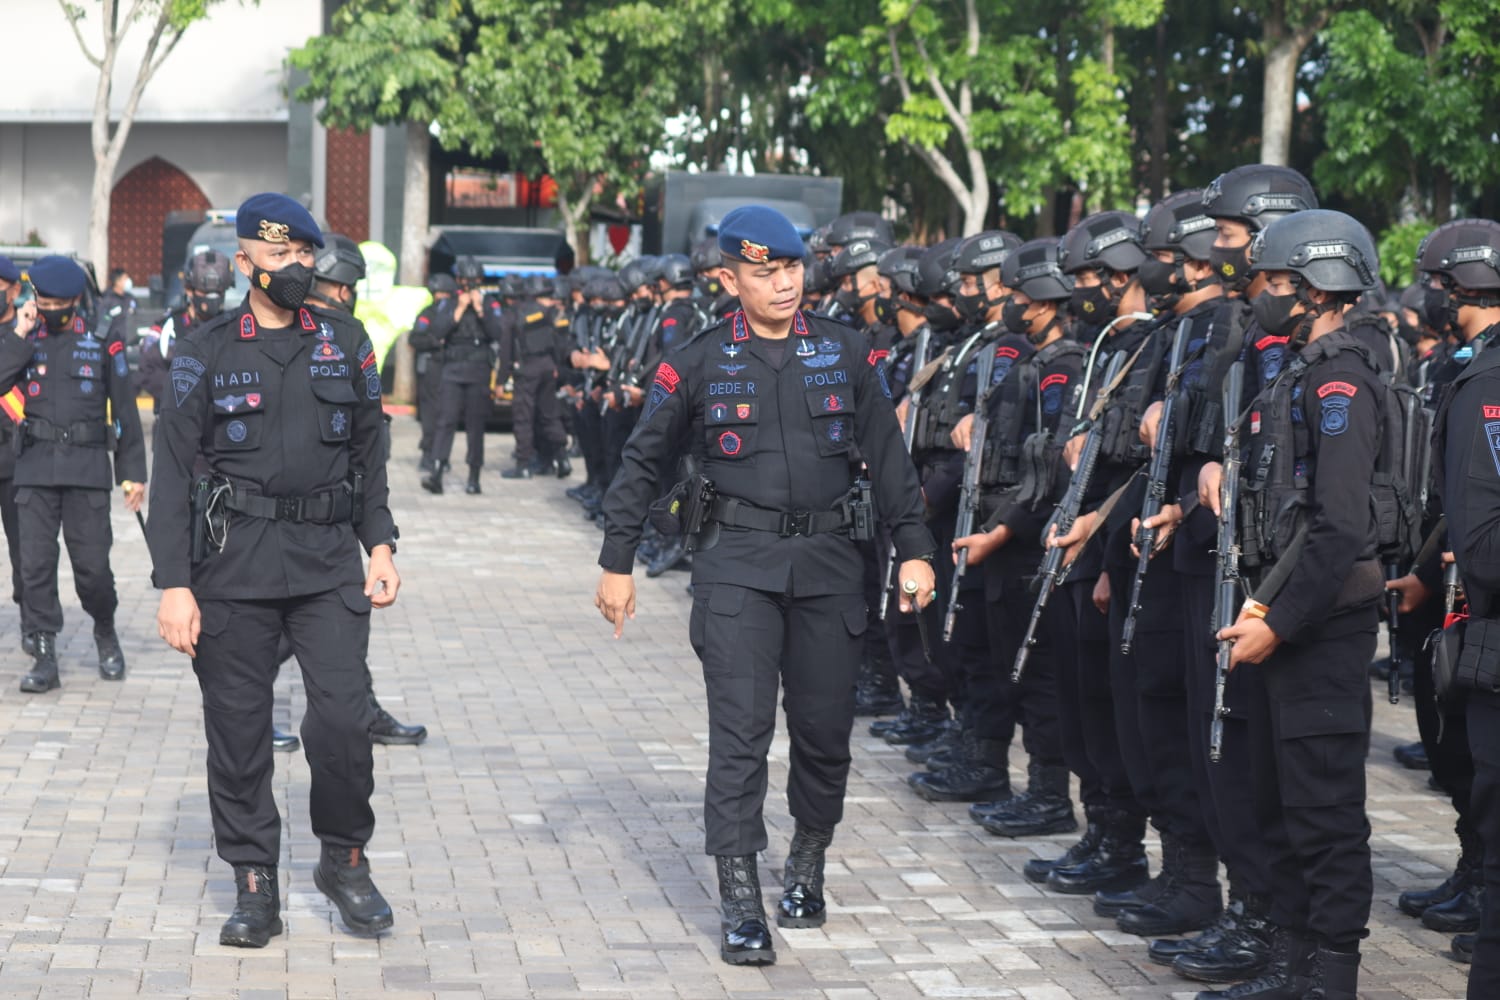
(138, 208)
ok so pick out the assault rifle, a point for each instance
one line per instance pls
(1227, 586)
(1156, 483)
(968, 495)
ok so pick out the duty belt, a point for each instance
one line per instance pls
(735, 513)
(328, 507)
(80, 433)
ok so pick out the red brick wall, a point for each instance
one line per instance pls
(138, 208)
(348, 183)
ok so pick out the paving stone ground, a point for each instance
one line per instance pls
(546, 841)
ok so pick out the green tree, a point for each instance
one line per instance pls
(391, 62)
(585, 85)
(165, 22)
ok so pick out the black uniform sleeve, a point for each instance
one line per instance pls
(657, 439)
(898, 493)
(428, 332)
(15, 355)
(1343, 421)
(1473, 464)
(130, 443)
(367, 451)
(184, 413)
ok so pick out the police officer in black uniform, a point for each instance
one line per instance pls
(470, 335)
(206, 278)
(429, 352)
(529, 349)
(283, 403)
(1309, 627)
(1469, 474)
(72, 380)
(12, 410)
(777, 592)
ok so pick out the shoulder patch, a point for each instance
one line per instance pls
(1335, 413)
(534, 317)
(1492, 413)
(187, 372)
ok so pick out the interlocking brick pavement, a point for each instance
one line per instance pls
(546, 841)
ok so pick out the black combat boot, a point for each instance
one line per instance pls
(877, 692)
(343, 875)
(43, 674)
(384, 728)
(672, 553)
(925, 718)
(562, 466)
(1470, 866)
(1113, 902)
(1334, 975)
(903, 716)
(1119, 863)
(1043, 809)
(111, 656)
(425, 463)
(521, 471)
(1412, 756)
(802, 902)
(28, 643)
(1166, 951)
(1190, 901)
(1460, 914)
(257, 908)
(472, 486)
(1243, 948)
(1286, 975)
(284, 742)
(943, 749)
(746, 940)
(982, 775)
(433, 482)
(1462, 948)
(1037, 869)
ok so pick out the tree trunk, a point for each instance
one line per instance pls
(99, 192)
(415, 200)
(1276, 108)
(575, 217)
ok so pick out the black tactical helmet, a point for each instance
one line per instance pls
(815, 276)
(635, 274)
(1258, 194)
(512, 286)
(339, 261)
(1411, 297)
(440, 282)
(706, 256)
(540, 286)
(855, 255)
(607, 287)
(1329, 250)
(468, 268)
(676, 270)
(1102, 241)
(984, 251)
(853, 226)
(936, 275)
(1032, 270)
(1178, 223)
(900, 266)
(1466, 250)
(817, 242)
(208, 272)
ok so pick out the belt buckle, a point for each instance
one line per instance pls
(796, 522)
(289, 509)
(63, 435)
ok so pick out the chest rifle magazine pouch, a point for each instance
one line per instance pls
(1478, 666)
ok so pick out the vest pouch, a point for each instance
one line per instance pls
(832, 413)
(336, 402)
(729, 428)
(239, 421)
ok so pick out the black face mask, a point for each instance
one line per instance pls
(708, 287)
(1274, 313)
(207, 306)
(1013, 316)
(850, 300)
(1232, 265)
(58, 320)
(940, 317)
(885, 310)
(1438, 311)
(1158, 279)
(1091, 304)
(287, 287)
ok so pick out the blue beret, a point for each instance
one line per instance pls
(8, 269)
(275, 218)
(57, 277)
(757, 234)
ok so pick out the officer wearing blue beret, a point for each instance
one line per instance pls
(70, 379)
(282, 402)
(775, 403)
